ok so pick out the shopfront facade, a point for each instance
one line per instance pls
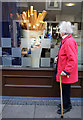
(33, 74)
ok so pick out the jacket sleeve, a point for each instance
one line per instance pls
(71, 57)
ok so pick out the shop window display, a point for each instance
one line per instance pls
(23, 50)
(48, 52)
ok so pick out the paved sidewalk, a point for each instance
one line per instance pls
(14, 108)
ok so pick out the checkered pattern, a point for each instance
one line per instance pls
(11, 56)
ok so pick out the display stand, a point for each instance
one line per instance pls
(31, 38)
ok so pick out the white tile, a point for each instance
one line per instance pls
(16, 52)
(45, 62)
(45, 43)
(26, 61)
(6, 42)
(25, 43)
(54, 52)
(7, 61)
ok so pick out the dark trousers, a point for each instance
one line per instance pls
(66, 91)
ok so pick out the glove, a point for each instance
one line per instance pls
(63, 73)
(56, 58)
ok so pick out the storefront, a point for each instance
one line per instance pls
(27, 54)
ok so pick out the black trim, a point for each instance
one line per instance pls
(66, 72)
(56, 55)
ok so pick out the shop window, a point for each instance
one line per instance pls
(15, 43)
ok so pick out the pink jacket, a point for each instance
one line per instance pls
(68, 60)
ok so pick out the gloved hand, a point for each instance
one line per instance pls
(55, 60)
(63, 73)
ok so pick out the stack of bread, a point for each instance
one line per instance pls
(30, 21)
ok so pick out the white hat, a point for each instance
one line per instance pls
(66, 27)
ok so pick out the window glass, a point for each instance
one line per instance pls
(22, 45)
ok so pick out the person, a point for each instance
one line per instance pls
(67, 64)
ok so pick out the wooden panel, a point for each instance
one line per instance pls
(35, 92)
(80, 73)
(34, 72)
(28, 80)
(34, 82)
(76, 92)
